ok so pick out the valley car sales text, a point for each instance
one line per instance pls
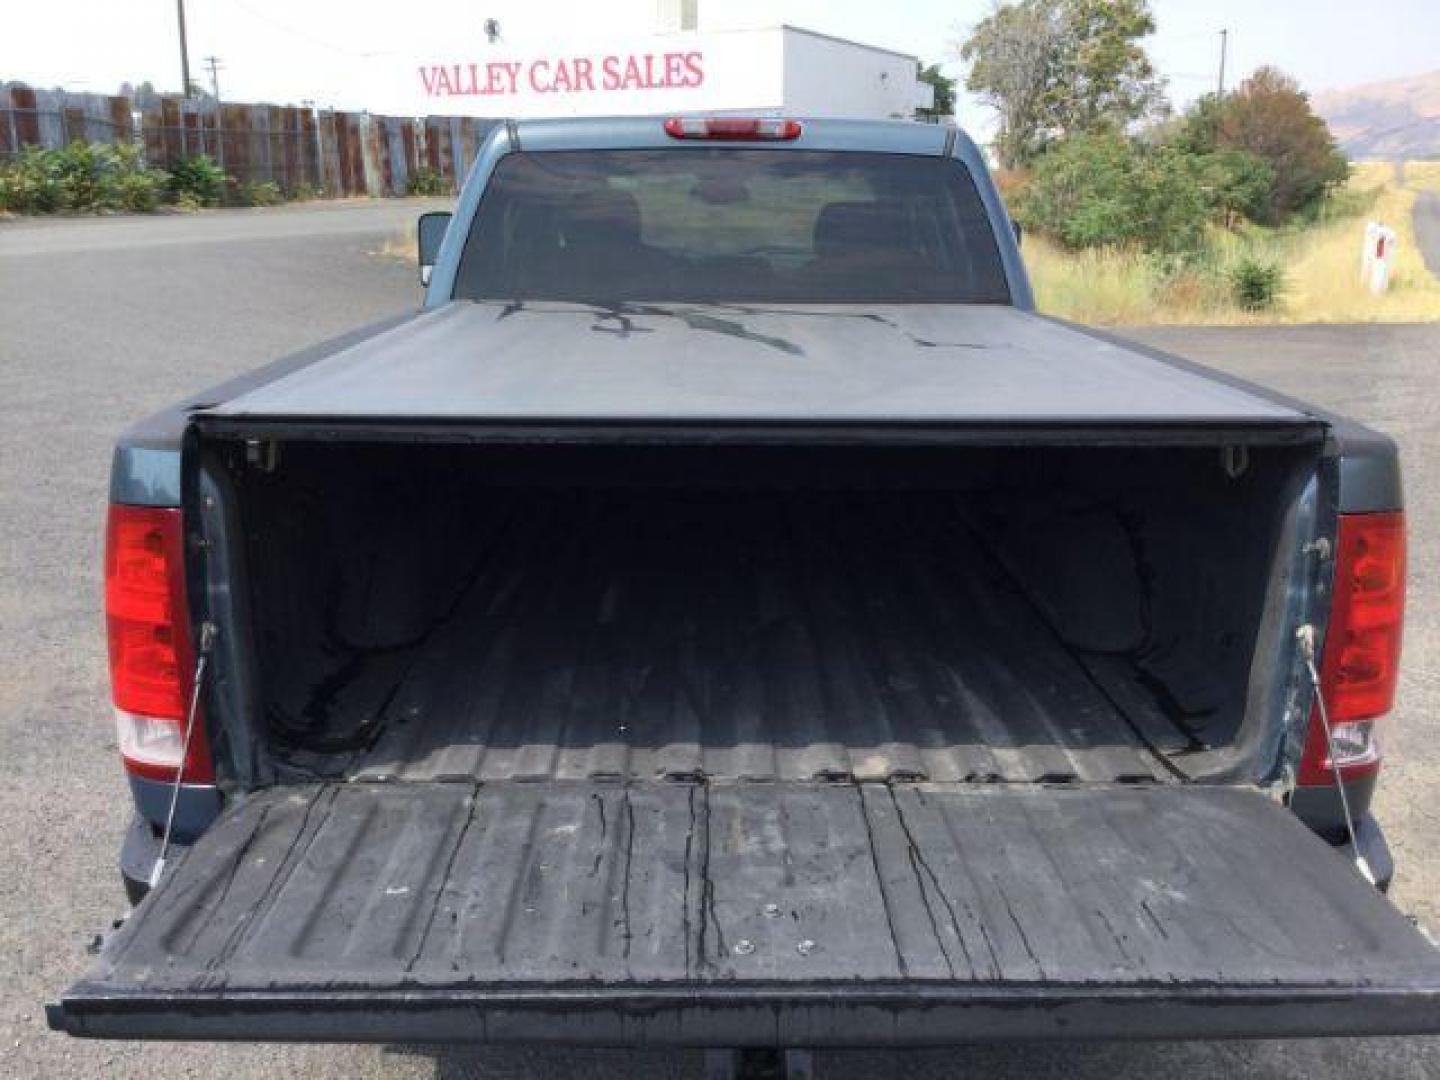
(566, 75)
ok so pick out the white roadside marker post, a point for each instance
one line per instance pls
(1367, 251)
(1379, 256)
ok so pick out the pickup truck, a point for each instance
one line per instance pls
(727, 615)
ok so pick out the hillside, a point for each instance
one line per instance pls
(1391, 120)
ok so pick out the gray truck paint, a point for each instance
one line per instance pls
(195, 807)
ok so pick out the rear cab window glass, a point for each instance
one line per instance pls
(720, 224)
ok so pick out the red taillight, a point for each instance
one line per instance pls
(732, 129)
(1361, 661)
(151, 657)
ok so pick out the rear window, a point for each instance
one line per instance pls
(720, 224)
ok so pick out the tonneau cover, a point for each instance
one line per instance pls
(916, 363)
(792, 914)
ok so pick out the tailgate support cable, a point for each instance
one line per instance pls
(207, 638)
(1306, 636)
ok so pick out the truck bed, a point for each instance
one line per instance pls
(711, 672)
(770, 636)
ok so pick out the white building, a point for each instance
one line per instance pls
(684, 65)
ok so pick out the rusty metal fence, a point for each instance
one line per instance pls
(337, 153)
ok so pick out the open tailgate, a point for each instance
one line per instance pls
(789, 914)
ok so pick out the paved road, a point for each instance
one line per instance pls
(102, 321)
(1427, 228)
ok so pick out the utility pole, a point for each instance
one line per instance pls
(215, 66)
(1224, 43)
(184, 51)
(213, 63)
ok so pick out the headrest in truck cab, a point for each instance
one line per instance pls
(607, 220)
(856, 228)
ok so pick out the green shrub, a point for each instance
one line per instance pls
(31, 183)
(82, 170)
(425, 181)
(305, 192)
(1236, 184)
(142, 192)
(200, 178)
(260, 193)
(1106, 191)
(81, 176)
(1256, 284)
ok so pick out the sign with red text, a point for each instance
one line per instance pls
(683, 72)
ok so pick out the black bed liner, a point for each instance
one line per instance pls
(735, 914)
(608, 649)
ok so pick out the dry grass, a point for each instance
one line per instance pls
(1324, 278)
(1321, 265)
(1423, 175)
(1369, 175)
(1101, 286)
(401, 244)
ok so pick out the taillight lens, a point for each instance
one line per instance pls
(1361, 661)
(151, 657)
(732, 128)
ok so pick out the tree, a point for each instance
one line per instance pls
(1053, 69)
(1104, 75)
(1198, 130)
(1012, 56)
(1269, 116)
(1237, 182)
(944, 87)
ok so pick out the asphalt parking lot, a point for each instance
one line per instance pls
(103, 320)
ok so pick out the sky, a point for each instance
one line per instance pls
(329, 51)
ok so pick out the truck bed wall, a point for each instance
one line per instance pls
(1040, 613)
